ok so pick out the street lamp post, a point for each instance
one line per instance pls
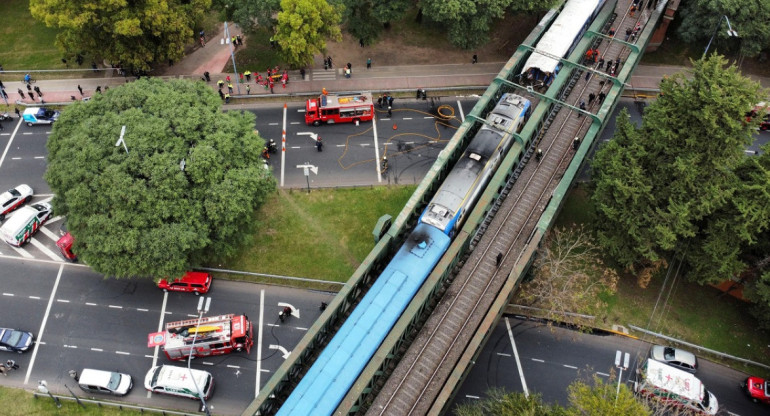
(730, 32)
(201, 310)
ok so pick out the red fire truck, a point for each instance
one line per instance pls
(214, 335)
(339, 108)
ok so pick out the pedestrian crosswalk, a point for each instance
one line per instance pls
(327, 75)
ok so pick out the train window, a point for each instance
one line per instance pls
(438, 210)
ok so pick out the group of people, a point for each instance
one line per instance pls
(272, 75)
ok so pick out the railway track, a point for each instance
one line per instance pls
(424, 369)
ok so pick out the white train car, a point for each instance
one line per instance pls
(560, 39)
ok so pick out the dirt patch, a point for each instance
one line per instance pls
(408, 43)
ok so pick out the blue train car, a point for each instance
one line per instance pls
(327, 382)
(324, 386)
(468, 178)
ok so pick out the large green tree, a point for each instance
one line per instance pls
(748, 17)
(303, 26)
(468, 22)
(501, 403)
(249, 14)
(184, 193)
(133, 33)
(681, 182)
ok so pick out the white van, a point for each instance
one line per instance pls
(176, 381)
(108, 382)
(25, 222)
(675, 387)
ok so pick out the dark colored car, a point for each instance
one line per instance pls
(14, 340)
(196, 282)
(757, 389)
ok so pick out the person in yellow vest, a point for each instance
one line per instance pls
(227, 98)
(248, 76)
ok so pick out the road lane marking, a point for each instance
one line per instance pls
(537, 360)
(602, 374)
(63, 300)
(74, 347)
(503, 354)
(460, 108)
(50, 234)
(160, 328)
(42, 325)
(122, 353)
(97, 349)
(233, 366)
(115, 306)
(8, 294)
(35, 297)
(471, 397)
(39, 157)
(259, 339)
(44, 249)
(142, 310)
(569, 366)
(516, 354)
(300, 328)
(22, 252)
(91, 304)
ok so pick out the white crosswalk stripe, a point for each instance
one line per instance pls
(324, 76)
(48, 233)
(40, 246)
(23, 253)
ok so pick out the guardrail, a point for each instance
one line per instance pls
(121, 406)
(698, 347)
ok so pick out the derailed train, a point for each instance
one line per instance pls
(327, 382)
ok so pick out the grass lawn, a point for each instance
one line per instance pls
(257, 56)
(26, 43)
(321, 235)
(18, 402)
(725, 325)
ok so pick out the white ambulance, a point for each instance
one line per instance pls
(25, 222)
(675, 387)
(179, 381)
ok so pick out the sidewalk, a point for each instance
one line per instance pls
(215, 54)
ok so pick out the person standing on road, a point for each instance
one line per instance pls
(475, 59)
(2, 87)
(369, 63)
(601, 96)
(16, 110)
(230, 87)
(21, 93)
(248, 89)
(31, 95)
(80, 89)
(591, 98)
(37, 90)
(330, 62)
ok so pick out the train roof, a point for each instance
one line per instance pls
(560, 36)
(327, 382)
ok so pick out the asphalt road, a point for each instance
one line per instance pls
(411, 138)
(548, 359)
(82, 320)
